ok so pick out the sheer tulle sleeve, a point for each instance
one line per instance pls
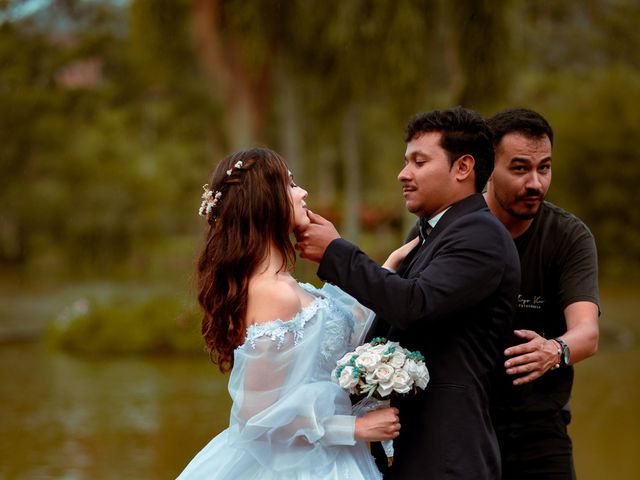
(285, 413)
(362, 316)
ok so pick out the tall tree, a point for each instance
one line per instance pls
(482, 45)
(236, 45)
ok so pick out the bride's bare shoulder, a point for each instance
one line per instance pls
(270, 300)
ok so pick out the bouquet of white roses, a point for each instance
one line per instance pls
(377, 369)
(380, 368)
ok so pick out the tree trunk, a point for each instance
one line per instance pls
(290, 129)
(243, 93)
(352, 175)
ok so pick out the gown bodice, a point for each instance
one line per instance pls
(326, 313)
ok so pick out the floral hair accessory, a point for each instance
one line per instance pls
(209, 201)
(211, 198)
(238, 165)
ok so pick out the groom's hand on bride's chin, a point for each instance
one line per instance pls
(317, 219)
(313, 241)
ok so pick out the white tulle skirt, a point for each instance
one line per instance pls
(219, 460)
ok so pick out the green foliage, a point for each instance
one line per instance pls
(160, 43)
(485, 43)
(92, 174)
(156, 326)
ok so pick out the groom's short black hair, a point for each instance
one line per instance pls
(464, 132)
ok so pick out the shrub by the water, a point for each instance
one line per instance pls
(156, 326)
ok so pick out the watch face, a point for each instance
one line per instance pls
(565, 352)
(565, 355)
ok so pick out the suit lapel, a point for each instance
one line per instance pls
(409, 260)
(457, 210)
(463, 207)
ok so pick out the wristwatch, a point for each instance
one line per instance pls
(565, 353)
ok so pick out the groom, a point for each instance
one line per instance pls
(452, 298)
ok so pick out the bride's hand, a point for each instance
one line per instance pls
(397, 256)
(376, 425)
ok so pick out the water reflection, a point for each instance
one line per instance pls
(76, 418)
(606, 426)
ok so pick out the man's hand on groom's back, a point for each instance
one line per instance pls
(531, 359)
(314, 240)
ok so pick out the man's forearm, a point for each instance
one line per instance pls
(582, 330)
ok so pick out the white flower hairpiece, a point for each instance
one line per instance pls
(237, 165)
(211, 198)
(209, 201)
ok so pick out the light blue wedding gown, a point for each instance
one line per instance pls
(288, 419)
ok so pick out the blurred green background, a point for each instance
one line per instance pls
(114, 113)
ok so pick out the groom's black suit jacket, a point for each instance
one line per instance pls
(453, 299)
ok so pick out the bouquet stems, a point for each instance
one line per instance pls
(368, 404)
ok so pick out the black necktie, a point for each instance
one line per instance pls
(424, 228)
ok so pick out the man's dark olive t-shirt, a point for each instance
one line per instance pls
(559, 267)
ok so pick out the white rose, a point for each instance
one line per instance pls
(385, 388)
(383, 373)
(347, 379)
(379, 349)
(368, 360)
(362, 348)
(370, 378)
(397, 359)
(422, 376)
(411, 367)
(345, 359)
(402, 382)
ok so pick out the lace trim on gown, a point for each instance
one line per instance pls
(276, 330)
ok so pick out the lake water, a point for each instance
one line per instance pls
(76, 418)
(69, 417)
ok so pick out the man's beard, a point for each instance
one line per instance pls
(528, 213)
(523, 215)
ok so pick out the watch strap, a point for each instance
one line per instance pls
(564, 350)
(559, 352)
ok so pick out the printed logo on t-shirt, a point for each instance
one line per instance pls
(536, 302)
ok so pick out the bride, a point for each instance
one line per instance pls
(279, 338)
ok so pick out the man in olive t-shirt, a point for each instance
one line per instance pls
(556, 319)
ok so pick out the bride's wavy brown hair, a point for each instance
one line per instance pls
(253, 213)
